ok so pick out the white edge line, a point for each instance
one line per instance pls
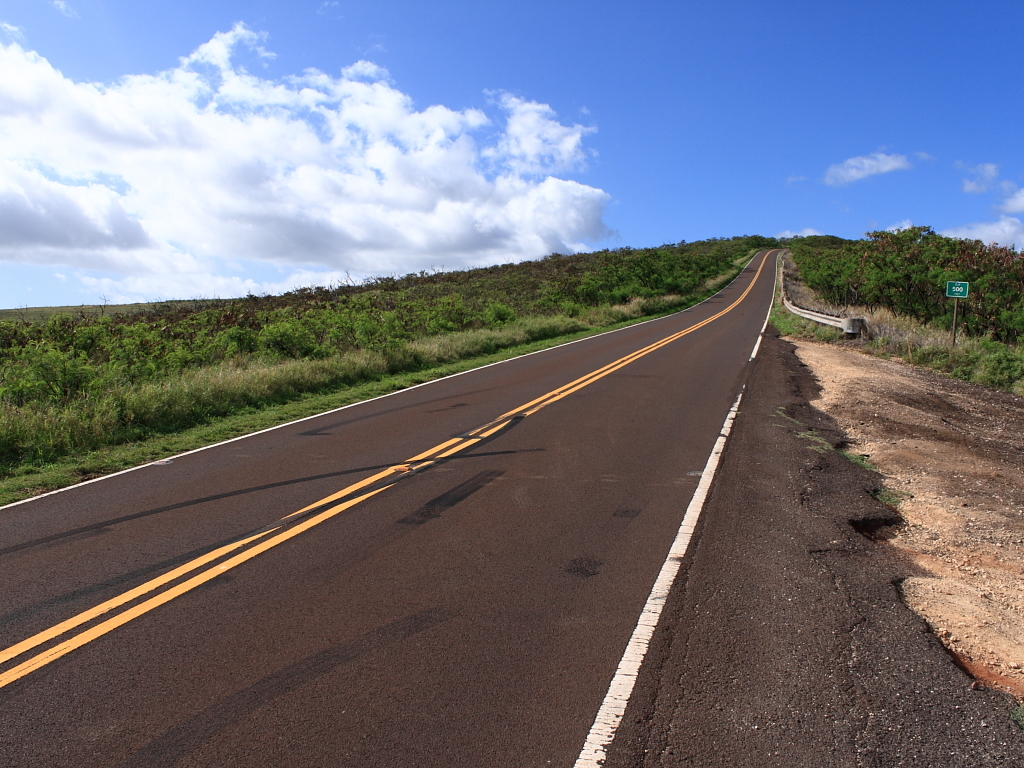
(767, 317)
(602, 732)
(363, 402)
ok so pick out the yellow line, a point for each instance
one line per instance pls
(425, 459)
(134, 612)
(590, 378)
(347, 491)
(435, 449)
(86, 616)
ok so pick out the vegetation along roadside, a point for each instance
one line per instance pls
(947, 447)
(85, 395)
(896, 280)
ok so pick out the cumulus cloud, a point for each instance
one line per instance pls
(534, 142)
(857, 168)
(981, 177)
(164, 180)
(186, 282)
(1014, 203)
(805, 232)
(1008, 231)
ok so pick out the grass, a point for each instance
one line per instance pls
(821, 445)
(889, 497)
(818, 444)
(330, 383)
(781, 411)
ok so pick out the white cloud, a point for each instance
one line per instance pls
(11, 31)
(38, 213)
(534, 142)
(805, 232)
(982, 177)
(899, 226)
(63, 7)
(857, 168)
(1014, 203)
(187, 284)
(165, 179)
(1008, 231)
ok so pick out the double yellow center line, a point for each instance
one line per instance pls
(214, 563)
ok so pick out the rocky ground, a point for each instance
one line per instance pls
(952, 455)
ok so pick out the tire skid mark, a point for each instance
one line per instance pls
(189, 735)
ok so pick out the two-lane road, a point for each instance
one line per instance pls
(445, 576)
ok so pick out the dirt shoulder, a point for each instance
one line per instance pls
(786, 640)
(952, 454)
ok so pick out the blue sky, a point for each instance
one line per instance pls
(172, 150)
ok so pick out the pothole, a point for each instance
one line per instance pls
(877, 528)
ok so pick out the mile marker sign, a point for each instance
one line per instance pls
(957, 290)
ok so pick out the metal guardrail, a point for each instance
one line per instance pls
(854, 326)
(851, 326)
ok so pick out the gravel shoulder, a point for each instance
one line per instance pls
(952, 457)
(787, 640)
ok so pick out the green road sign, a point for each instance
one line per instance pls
(957, 290)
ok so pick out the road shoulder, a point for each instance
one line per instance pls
(785, 640)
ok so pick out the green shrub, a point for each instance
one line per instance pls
(238, 340)
(906, 272)
(999, 369)
(287, 339)
(498, 314)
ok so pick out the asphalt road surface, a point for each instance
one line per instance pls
(446, 576)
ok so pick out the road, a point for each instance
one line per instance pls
(445, 576)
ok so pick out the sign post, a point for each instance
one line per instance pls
(956, 290)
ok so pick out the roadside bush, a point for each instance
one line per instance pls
(906, 272)
(1000, 369)
(287, 339)
(238, 340)
(499, 314)
(980, 359)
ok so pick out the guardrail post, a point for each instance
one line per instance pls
(853, 326)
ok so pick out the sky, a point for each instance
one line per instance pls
(165, 150)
